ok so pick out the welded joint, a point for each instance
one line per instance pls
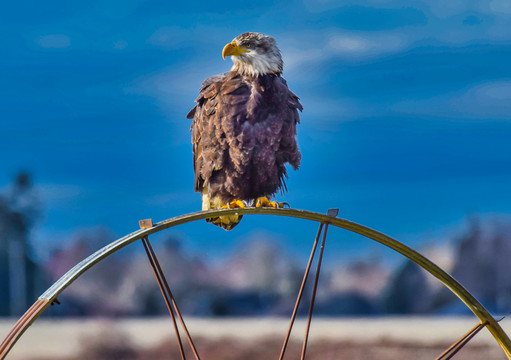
(332, 212)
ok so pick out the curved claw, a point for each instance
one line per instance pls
(264, 202)
(236, 203)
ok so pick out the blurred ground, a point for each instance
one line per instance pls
(242, 338)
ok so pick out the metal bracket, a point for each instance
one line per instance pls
(146, 223)
(332, 212)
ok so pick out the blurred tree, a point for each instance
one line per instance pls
(408, 291)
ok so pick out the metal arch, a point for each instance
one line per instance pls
(51, 294)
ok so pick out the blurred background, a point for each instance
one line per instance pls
(406, 129)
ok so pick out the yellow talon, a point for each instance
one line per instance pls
(235, 204)
(264, 202)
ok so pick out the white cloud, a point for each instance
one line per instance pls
(181, 82)
(317, 6)
(59, 193)
(120, 45)
(318, 47)
(298, 58)
(203, 35)
(330, 110)
(366, 44)
(493, 93)
(438, 8)
(54, 41)
(485, 100)
(502, 7)
(168, 199)
(168, 37)
(444, 26)
(443, 9)
(172, 86)
(480, 101)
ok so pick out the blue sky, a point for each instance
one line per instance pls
(406, 124)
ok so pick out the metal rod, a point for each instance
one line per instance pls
(300, 292)
(145, 241)
(447, 280)
(21, 325)
(314, 290)
(176, 308)
(458, 345)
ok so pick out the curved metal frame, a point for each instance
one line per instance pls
(51, 294)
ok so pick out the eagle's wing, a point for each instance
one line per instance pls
(211, 117)
(294, 101)
(207, 95)
(288, 144)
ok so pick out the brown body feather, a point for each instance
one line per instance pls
(243, 134)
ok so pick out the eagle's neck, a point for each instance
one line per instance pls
(254, 64)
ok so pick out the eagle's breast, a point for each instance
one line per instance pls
(244, 132)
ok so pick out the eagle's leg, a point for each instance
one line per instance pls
(263, 201)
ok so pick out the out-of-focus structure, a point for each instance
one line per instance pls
(19, 210)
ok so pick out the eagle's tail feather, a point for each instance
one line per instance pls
(228, 222)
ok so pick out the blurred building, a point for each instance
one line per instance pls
(483, 264)
(19, 209)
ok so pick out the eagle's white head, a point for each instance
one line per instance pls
(254, 54)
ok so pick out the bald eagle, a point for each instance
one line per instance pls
(244, 129)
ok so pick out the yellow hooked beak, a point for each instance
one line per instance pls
(233, 49)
